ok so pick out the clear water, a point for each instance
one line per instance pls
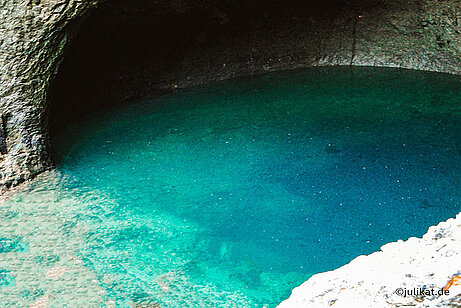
(231, 195)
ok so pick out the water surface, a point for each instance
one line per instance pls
(232, 194)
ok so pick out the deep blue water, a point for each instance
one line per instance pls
(234, 193)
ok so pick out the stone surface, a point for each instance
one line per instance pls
(33, 35)
(376, 280)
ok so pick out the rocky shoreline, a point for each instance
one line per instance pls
(395, 276)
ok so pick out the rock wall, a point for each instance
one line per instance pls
(34, 34)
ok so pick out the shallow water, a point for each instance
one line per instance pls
(230, 195)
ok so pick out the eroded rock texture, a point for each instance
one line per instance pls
(33, 35)
(199, 41)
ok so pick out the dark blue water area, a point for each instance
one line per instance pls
(234, 193)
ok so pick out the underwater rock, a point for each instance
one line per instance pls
(56, 272)
(41, 302)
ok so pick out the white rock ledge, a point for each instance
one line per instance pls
(371, 281)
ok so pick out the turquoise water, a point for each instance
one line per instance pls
(234, 193)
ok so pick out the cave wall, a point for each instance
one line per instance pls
(33, 35)
(189, 42)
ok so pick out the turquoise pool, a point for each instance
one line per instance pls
(234, 193)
